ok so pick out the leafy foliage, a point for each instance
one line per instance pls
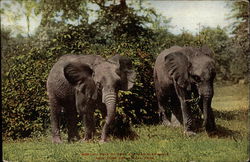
(24, 94)
(240, 12)
(73, 10)
(240, 41)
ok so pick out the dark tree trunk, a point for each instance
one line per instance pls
(123, 4)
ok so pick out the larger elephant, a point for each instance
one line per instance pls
(79, 84)
(180, 72)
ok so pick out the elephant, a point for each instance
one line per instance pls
(179, 73)
(80, 84)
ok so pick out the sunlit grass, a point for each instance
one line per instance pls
(231, 97)
(154, 143)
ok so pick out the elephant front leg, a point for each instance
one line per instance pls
(187, 119)
(209, 120)
(162, 115)
(176, 116)
(71, 116)
(89, 123)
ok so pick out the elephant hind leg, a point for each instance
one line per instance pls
(55, 110)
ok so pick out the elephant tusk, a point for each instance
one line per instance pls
(192, 99)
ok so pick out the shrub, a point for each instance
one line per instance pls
(24, 101)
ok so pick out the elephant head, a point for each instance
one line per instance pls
(202, 74)
(103, 79)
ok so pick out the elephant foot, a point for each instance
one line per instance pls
(189, 133)
(210, 129)
(103, 141)
(86, 139)
(166, 123)
(56, 140)
(88, 136)
(212, 133)
(73, 139)
(176, 124)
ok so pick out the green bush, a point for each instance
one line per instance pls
(24, 104)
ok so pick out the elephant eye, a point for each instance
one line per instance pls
(118, 72)
(196, 78)
(118, 84)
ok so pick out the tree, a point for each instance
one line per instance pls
(240, 42)
(74, 10)
(28, 11)
(8, 15)
(240, 29)
(119, 22)
(14, 10)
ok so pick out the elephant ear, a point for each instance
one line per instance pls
(80, 76)
(178, 67)
(125, 71)
(206, 50)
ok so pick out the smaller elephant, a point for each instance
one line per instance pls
(79, 84)
(179, 73)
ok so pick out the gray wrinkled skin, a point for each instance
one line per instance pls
(79, 84)
(179, 71)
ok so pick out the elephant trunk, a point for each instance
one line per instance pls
(209, 121)
(206, 90)
(110, 102)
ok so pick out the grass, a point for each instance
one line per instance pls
(154, 143)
